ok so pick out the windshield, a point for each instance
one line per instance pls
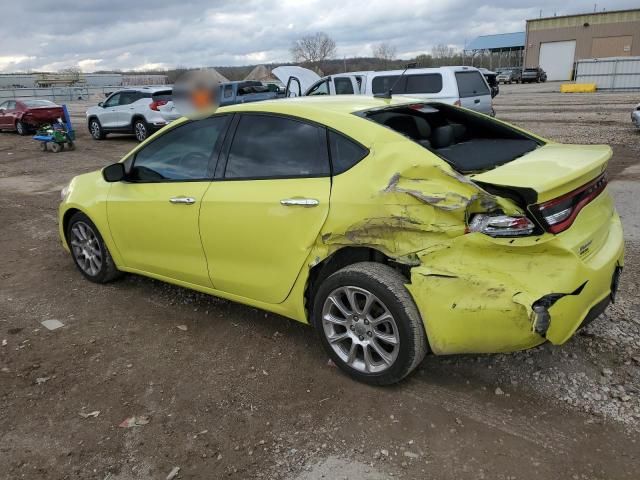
(38, 103)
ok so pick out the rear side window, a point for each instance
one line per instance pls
(182, 153)
(343, 86)
(228, 91)
(410, 83)
(471, 84)
(268, 146)
(345, 153)
(162, 96)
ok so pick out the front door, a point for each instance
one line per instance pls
(109, 115)
(153, 216)
(474, 91)
(262, 214)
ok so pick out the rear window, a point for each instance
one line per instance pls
(410, 83)
(345, 153)
(471, 84)
(38, 103)
(163, 95)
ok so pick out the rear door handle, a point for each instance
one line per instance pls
(300, 202)
(183, 200)
(477, 100)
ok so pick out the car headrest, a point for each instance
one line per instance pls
(459, 131)
(404, 124)
(423, 127)
(442, 137)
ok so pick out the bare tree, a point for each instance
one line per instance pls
(313, 48)
(72, 74)
(442, 51)
(384, 51)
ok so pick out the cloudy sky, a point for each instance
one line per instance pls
(146, 34)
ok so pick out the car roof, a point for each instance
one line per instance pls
(153, 89)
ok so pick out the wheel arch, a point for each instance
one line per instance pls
(342, 258)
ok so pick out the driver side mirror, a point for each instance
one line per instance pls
(114, 173)
(101, 104)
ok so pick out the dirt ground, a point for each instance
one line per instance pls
(244, 394)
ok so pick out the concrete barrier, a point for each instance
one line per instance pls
(578, 88)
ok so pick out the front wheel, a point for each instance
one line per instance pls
(369, 324)
(21, 128)
(89, 251)
(97, 133)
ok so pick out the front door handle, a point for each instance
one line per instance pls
(183, 200)
(300, 202)
(477, 100)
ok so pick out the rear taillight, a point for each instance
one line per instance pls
(496, 225)
(157, 103)
(558, 214)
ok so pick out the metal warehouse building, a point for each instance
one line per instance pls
(556, 43)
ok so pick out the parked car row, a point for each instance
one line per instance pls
(518, 75)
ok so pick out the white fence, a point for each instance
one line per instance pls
(618, 73)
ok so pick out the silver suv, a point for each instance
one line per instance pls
(133, 110)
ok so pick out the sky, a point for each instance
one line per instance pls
(48, 35)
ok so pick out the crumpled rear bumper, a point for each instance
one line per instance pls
(478, 296)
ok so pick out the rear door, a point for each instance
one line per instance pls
(126, 107)
(474, 91)
(262, 214)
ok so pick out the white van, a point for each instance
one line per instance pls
(463, 86)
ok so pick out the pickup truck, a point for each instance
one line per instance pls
(230, 93)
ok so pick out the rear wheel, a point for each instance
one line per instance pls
(97, 133)
(89, 251)
(56, 147)
(369, 324)
(140, 130)
(21, 128)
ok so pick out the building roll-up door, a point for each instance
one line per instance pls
(556, 58)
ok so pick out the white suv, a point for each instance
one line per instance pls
(134, 110)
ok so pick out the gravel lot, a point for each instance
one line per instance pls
(245, 394)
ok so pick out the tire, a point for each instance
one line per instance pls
(86, 243)
(353, 341)
(56, 147)
(140, 130)
(43, 146)
(96, 130)
(21, 128)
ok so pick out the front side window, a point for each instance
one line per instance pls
(321, 88)
(183, 153)
(113, 100)
(268, 146)
(343, 86)
(471, 84)
(228, 91)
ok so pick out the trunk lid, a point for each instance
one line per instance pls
(45, 114)
(550, 171)
(566, 192)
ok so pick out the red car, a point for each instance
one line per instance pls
(25, 115)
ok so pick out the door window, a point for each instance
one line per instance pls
(228, 91)
(423, 83)
(268, 146)
(321, 88)
(471, 84)
(181, 154)
(113, 100)
(127, 98)
(3, 105)
(343, 86)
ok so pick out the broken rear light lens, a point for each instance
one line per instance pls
(496, 225)
(559, 213)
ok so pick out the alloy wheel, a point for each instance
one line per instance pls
(140, 131)
(95, 129)
(360, 329)
(86, 248)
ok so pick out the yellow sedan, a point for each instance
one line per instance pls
(394, 228)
